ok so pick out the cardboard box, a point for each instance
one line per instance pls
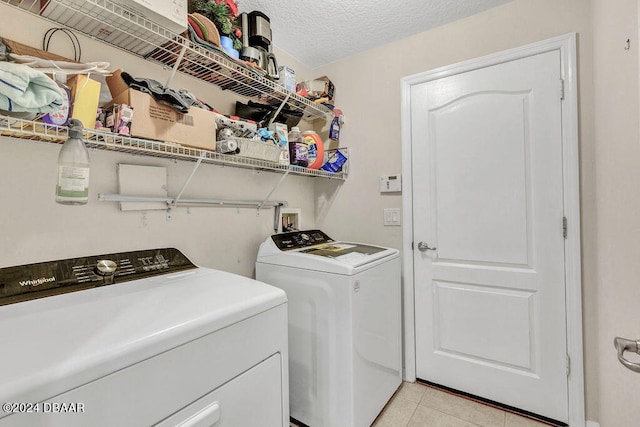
(329, 89)
(172, 15)
(161, 122)
(116, 83)
(85, 96)
(279, 127)
(287, 78)
(321, 87)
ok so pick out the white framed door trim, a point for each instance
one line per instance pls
(566, 44)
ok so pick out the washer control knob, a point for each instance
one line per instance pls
(106, 267)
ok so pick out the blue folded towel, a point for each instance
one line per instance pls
(24, 89)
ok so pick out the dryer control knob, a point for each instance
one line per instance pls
(106, 267)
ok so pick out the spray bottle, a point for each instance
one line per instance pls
(73, 168)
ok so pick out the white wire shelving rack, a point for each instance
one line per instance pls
(37, 131)
(46, 133)
(111, 23)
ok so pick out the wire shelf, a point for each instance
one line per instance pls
(124, 29)
(42, 132)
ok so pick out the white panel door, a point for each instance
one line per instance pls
(488, 221)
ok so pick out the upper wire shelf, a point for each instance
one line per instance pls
(37, 131)
(111, 23)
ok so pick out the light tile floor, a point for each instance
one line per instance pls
(417, 405)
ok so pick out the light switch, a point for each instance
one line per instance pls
(392, 216)
(390, 183)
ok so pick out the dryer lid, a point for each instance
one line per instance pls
(60, 342)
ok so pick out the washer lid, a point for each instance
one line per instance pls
(289, 249)
(57, 343)
(351, 253)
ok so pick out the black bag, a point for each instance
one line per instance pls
(262, 113)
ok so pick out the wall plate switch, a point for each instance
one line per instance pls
(390, 183)
(392, 216)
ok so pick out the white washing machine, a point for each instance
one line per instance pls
(344, 302)
(148, 339)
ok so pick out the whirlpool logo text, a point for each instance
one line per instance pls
(37, 282)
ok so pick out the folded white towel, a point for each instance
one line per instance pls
(64, 67)
(24, 89)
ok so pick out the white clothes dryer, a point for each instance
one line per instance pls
(344, 304)
(143, 338)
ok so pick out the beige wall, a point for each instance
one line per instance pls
(371, 98)
(609, 158)
(368, 90)
(614, 294)
(34, 228)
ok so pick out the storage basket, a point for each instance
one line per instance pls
(258, 150)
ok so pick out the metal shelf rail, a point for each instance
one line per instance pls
(25, 129)
(122, 28)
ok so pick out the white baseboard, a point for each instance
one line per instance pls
(592, 424)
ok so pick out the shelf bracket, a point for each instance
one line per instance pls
(174, 202)
(176, 66)
(276, 217)
(272, 190)
(279, 108)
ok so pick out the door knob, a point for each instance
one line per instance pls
(422, 246)
(623, 345)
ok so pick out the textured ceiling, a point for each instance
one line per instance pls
(319, 32)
